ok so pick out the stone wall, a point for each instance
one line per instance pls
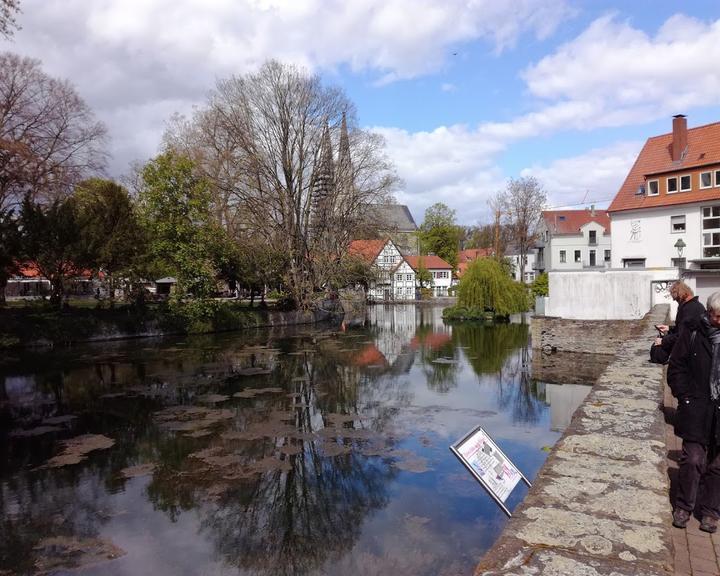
(599, 506)
(581, 336)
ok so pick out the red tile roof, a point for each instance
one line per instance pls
(570, 221)
(429, 262)
(368, 250)
(474, 253)
(703, 149)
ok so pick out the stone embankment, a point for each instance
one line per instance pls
(599, 506)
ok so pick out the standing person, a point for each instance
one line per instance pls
(694, 378)
(689, 311)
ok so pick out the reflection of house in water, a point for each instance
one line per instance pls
(398, 327)
(563, 400)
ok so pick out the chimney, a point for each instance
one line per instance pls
(592, 210)
(679, 140)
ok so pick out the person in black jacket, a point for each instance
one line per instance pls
(694, 378)
(689, 312)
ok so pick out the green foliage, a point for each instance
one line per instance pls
(110, 228)
(486, 286)
(10, 245)
(423, 275)
(52, 240)
(111, 233)
(540, 286)
(175, 207)
(439, 234)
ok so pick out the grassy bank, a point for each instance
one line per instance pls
(36, 323)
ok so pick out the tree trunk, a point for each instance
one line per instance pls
(57, 291)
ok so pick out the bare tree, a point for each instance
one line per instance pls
(49, 138)
(8, 10)
(522, 203)
(266, 141)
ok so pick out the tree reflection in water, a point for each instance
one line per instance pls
(328, 466)
(295, 453)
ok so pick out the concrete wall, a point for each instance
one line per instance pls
(608, 294)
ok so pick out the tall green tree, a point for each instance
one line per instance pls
(439, 234)
(174, 206)
(52, 241)
(10, 245)
(111, 232)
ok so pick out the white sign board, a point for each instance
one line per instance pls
(498, 475)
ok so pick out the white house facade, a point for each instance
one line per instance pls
(530, 265)
(396, 275)
(404, 281)
(573, 240)
(440, 270)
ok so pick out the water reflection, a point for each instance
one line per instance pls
(314, 451)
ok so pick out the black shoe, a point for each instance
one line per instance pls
(681, 518)
(709, 524)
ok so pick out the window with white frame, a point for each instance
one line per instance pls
(409, 277)
(706, 180)
(711, 231)
(717, 177)
(677, 224)
(563, 257)
(653, 187)
(607, 255)
(399, 277)
(633, 262)
(672, 185)
(577, 255)
(685, 183)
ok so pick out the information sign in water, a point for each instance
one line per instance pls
(495, 471)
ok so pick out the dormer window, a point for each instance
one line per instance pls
(672, 185)
(653, 187)
(685, 183)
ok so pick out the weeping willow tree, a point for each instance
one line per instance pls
(486, 288)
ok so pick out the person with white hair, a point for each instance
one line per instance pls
(694, 378)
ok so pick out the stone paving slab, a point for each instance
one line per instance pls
(599, 505)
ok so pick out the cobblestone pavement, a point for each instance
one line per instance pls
(696, 553)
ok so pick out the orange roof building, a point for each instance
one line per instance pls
(667, 211)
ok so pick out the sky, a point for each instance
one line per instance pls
(467, 94)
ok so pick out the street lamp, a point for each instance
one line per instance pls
(680, 245)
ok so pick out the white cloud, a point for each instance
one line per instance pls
(131, 57)
(448, 87)
(592, 177)
(454, 165)
(611, 75)
(615, 75)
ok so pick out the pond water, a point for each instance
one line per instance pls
(314, 451)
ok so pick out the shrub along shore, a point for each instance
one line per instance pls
(39, 324)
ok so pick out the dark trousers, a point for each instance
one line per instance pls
(694, 470)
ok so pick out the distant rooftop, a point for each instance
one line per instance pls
(394, 217)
